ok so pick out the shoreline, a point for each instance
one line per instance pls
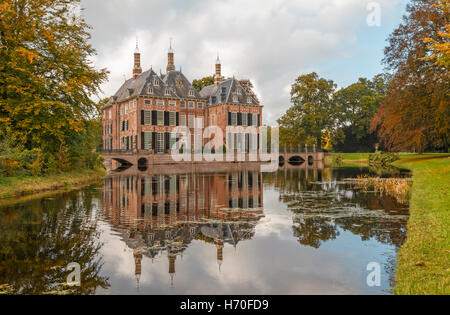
(423, 261)
(23, 187)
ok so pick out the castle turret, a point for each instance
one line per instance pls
(218, 76)
(170, 58)
(137, 70)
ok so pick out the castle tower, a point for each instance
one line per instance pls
(170, 59)
(172, 259)
(137, 70)
(218, 76)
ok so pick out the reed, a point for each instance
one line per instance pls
(398, 188)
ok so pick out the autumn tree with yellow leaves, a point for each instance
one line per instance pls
(47, 81)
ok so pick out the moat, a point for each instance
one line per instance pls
(301, 230)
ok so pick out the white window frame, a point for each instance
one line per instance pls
(191, 105)
(155, 82)
(183, 120)
(200, 105)
(160, 103)
(172, 119)
(172, 103)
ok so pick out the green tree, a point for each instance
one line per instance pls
(201, 83)
(46, 79)
(311, 113)
(354, 108)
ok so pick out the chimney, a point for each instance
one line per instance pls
(170, 59)
(137, 70)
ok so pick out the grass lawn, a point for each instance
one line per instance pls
(424, 260)
(20, 186)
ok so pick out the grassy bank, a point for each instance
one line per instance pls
(22, 186)
(424, 260)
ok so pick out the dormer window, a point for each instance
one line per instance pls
(235, 99)
(167, 91)
(238, 92)
(149, 90)
(249, 100)
(191, 93)
(155, 82)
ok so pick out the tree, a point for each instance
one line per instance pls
(46, 78)
(415, 113)
(201, 83)
(440, 49)
(311, 114)
(355, 107)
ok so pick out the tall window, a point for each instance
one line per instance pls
(160, 118)
(147, 117)
(191, 121)
(234, 119)
(147, 140)
(172, 118)
(244, 119)
(183, 120)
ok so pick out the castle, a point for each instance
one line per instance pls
(146, 109)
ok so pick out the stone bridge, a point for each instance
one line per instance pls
(146, 158)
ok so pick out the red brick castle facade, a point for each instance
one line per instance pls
(148, 107)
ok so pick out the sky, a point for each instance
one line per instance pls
(270, 42)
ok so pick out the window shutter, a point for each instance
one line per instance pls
(142, 141)
(259, 120)
(178, 119)
(229, 118)
(154, 118)
(153, 140)
(250, 120)
(166, 140)
(142, 117)
(239, 119)
(166, 119)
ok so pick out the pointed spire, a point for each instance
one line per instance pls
(136, 51)
(218, 59)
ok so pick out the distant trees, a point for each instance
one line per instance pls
(46, 80)
(323, 115)
(203, 82)
(354, 108)
(415, 114)
(311, 114)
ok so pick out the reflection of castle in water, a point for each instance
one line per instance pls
(158, 214)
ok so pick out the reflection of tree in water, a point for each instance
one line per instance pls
(323, 203)
(40, 238)
(313, 231)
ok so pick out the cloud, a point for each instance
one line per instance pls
(270, 42)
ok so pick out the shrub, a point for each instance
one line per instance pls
(382, 159)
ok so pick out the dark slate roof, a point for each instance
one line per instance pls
(174, 82)
(225, 92)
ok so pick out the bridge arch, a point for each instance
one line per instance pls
(142, 164)
(296, 160)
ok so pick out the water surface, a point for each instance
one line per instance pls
(301, 230)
